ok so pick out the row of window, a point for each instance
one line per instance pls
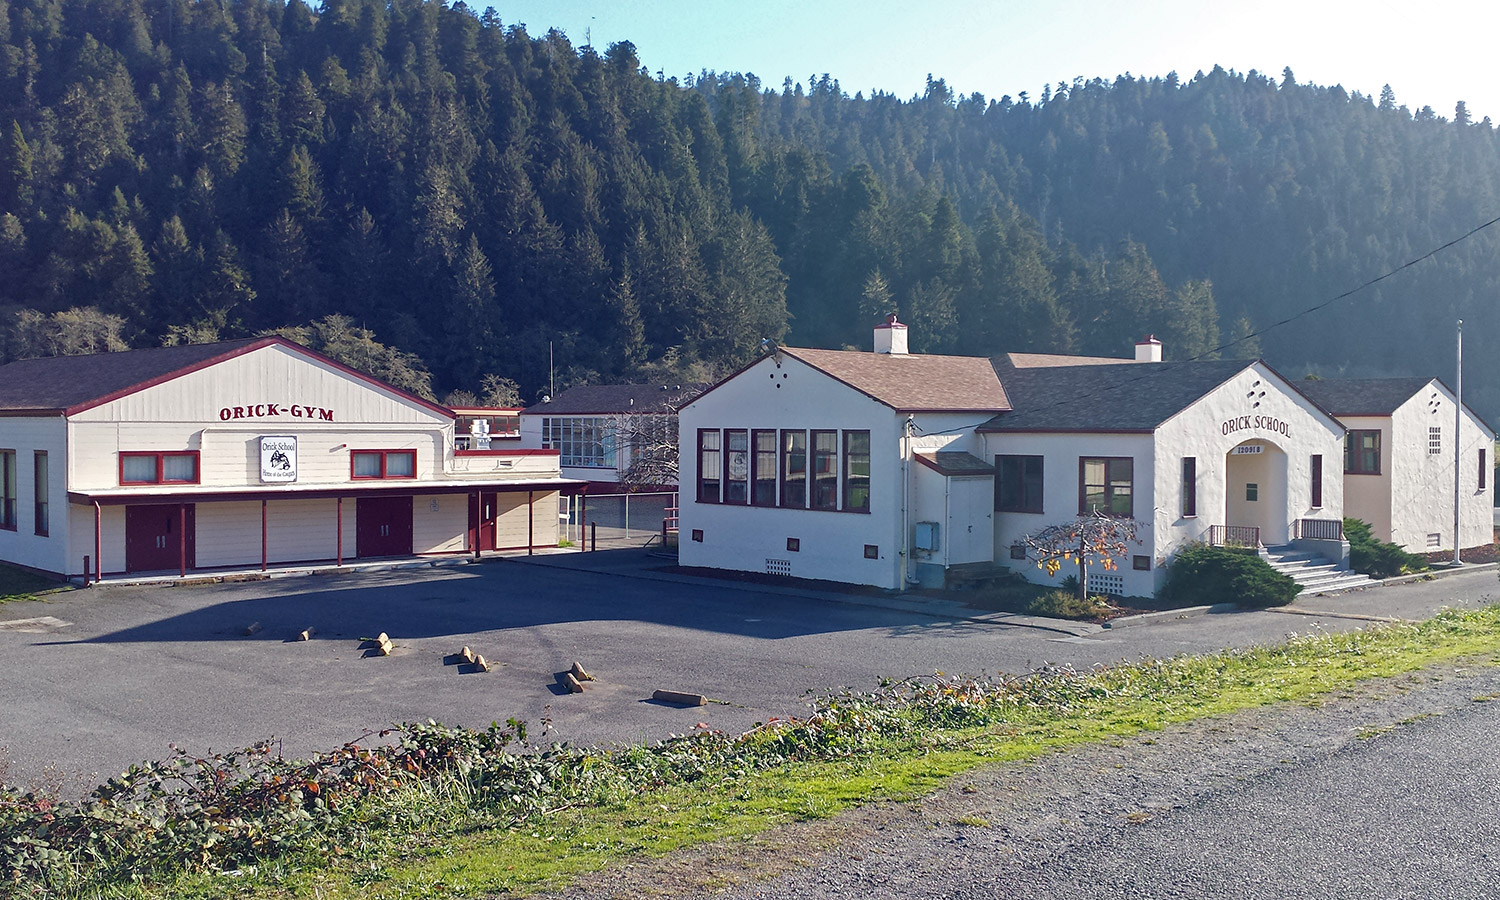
(1105, 484)
(587, 441)
(182, 466)
(789, 468)
(41, 509)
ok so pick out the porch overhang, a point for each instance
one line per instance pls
(199, 494)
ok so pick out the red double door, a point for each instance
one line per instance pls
(382, 526)
(159, 537)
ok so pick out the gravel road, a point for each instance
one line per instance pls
(1391, 790)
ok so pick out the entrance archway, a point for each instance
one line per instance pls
(1255, 486)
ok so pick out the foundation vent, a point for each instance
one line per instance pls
(1107, 584)
(778, 566)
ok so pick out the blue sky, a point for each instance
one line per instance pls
(1432, 53)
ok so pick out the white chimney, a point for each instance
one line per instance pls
(1148, 349)
(890, 336)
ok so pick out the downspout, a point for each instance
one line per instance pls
(906, 571)
(947, 520)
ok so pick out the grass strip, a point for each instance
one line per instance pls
(439, 839)
(19, 584)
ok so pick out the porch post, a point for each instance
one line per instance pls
(530, 522)
(476, 515)
(98, 542)
(182, 540)
(262, 535)
(340, 560)
(583, 516)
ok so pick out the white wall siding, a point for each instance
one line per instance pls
(793, 395)
(228, 534)
(1368, 497)
(51, 552)
(1421, 483)
(80, 519)
(440, 523)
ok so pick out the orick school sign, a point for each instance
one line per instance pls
(272, 410)
(278, 460)
(1256, 423)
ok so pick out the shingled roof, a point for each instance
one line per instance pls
(1135, 398)
(1053, 360)
(59, 384)
(616, 399)
(954, 462)
(1362, 396)
(915, 382)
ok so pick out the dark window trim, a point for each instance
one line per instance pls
(1483, 469)
(724, 478)
(161, 457)
(719, 492)
(1083, 509)
(1352, 452)
(384, 466)
(1189, 487)
(812, 470)
(755, 455)
(783, 454)
(42, 494)
(846, 477)
(1317, 481)
(8, 491)
(1020, 487)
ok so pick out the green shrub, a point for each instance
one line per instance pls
(1203, 574)
(1065, 604)
(1377, 558)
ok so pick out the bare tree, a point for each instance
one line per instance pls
(647, 441)
(1088, 539)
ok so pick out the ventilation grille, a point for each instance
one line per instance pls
(1107, 584)
(778, 566)
(1435, 541)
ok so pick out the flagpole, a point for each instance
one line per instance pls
(1458, 452)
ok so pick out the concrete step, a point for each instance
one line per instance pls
(1346, 582)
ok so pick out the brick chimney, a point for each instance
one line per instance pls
(890, 336)
(1148, 349)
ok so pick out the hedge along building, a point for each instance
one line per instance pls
(1399, 460)
(948, 461)
(246, 453)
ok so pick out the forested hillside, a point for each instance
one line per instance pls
(472, 194)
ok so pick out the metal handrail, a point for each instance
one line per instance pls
(1318, 529)
(1234, 535)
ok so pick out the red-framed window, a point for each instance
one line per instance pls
(372, 464)
(8, 490)
(1484, 470)
(825, 470)
(1317, 481)
(1018, 483)
(736, 466)
(1106, 484)
(1362, 452)
(763, 485)
(169, 467)
(42, 511)
(794, 469)
(856, 471)
(1190, 486)
(709, 461)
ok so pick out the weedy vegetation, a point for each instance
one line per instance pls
(430, 811)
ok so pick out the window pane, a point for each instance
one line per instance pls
(824, 470)
(179, 467)
(8, 489)
(40, 490)
(138, 469)
(794, 469)
(857, 470)
(737, 462)
(765, 469)
(366, 465)
(400, 465)
(708, 466)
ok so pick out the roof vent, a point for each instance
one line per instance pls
(890, 337)
(1148, 349)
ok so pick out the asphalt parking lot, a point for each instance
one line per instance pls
(95, 680)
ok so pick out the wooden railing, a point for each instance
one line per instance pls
(1234, 535)
(1318, 529)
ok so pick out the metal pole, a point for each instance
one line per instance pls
(339, 539)
(262, 535)
(181, 540)
(1458, 451)
(98, 542)
(530, 521)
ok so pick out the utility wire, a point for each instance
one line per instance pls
(1289, 319)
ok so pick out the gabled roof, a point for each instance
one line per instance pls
(617, 399)
(67, 385)
(1134, 398)
(1362, 396)
(954, 462)
(1053, 360)
(914, 382)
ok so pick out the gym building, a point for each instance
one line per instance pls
(247, 454)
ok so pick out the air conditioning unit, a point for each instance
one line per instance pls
(927, 536)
